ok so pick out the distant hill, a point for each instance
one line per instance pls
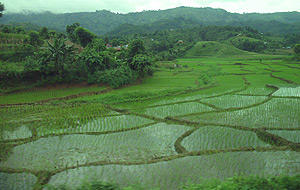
(102, 22)
(212, 48)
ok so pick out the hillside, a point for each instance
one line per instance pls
(101, 22)
(214, 49)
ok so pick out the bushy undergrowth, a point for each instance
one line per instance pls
(282, 182)
(250, 182)
(115, 78)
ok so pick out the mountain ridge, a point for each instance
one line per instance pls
(104, 21)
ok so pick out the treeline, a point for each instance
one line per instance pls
(80, 55)
(170, 44)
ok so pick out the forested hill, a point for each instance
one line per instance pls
(102, 22)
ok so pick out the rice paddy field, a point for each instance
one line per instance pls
(213, 118)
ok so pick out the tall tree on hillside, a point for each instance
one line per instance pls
(34, 39)
(84, 36)
(297, 49)
(1, 9)
(136, 47)
(71, 31)
(44, 33)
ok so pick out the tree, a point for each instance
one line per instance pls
(136, 47)
(44, 33)
(84, 36)
(20, 30)
(34, 39)
(143, 64)
(98, 45)
(71, 31)
(2, 8)
(297, 49)
(6, 29)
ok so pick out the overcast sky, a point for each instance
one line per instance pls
(125, 6)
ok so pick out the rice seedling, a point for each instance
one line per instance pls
(42, 94)
(17, 133)
(82, 139)
(234, 101)
(175, 109)
(258, 84)
(90, 124)
(212, 137)
(288, 91)
(17, 181)
(277, 113)
(55, 152)
(165, 175)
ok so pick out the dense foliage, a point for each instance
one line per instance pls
(51, 60)
(49, 56)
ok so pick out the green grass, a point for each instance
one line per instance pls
(258, 84)
(174, 110)
(215, 49)
(36, 95)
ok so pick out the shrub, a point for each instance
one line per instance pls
(250, 182)
(116, 78)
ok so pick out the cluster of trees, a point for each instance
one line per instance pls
(171, 44)
(297, 52)
(58, 62)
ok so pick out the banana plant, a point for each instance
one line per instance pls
(60, 53)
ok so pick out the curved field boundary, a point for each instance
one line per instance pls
(34, 136)
(178, 147)
(188, 101)
(289, 66)
(61, 98)
(283, 79)
(277, 143)
(169, 95)
(43, 177)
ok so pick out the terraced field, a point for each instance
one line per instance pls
(169, 131)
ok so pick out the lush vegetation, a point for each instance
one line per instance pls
(206, 107)
(49, 60)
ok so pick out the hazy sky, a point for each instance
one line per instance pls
(125, 6)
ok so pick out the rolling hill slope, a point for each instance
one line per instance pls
(213, 49)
